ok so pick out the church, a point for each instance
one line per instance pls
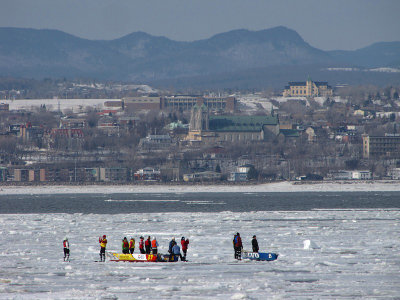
(227, 128)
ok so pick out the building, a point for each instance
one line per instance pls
(112, 174)
(114, 104)
(29, 132)
(156, 142)
(67, 133)
(341, 175)
(308, 88)
(179, 102)
(352, 175)
(170, 173)
(128, 121)
(241, 174)
(187, 102)
(72, 122)
(387, 146)
(223, 128)
(21, 175)
(109, 127)
(361, 175)
(4, 107)
(202, 176)
(147, 173)
(394, 173)
(243, 128)
(132, 104)
(3, 173)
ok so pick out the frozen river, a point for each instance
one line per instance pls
(355, 254)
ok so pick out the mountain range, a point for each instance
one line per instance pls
(143, 58)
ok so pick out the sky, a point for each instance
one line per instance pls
(325, 24)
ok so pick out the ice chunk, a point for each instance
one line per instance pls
(239, 296)
(308, 244)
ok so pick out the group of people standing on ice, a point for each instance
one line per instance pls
(147, 246)
(238, 245)
(128, 247)
(175, 251)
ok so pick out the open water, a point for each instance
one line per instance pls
(194, 202)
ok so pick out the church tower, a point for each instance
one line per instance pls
(198, 122)
(199, 118)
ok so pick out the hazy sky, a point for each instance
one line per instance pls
(325, 24)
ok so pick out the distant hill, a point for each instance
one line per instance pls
(141, 57)
(384, 54)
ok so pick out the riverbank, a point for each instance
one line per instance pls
(285, 186)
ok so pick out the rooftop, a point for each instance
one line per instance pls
(240, 123)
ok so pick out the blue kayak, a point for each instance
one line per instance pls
(259, 256)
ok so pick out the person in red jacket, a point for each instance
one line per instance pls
(66, 249)
(141, 245)
(237, 243)
(125, 246)
(184, 244)
(147, 245)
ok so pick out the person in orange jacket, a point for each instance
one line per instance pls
(154, 245)
(103, 245)
(184, 244)
(131, 245)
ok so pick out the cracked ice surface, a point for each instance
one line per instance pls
(357, 256)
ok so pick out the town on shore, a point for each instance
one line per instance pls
(116, 134)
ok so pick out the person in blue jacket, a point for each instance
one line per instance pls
(176, 251)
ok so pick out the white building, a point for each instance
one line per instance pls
(240, 174)
(351, 175)
(361, 175)
(147, 174)
(394, 173)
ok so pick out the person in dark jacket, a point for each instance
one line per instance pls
(254, 244)
(184, 243)
(234, 247)
(238, 246)
(171, 244)
(147, 245)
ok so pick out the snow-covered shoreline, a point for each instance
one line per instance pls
(346, 186)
